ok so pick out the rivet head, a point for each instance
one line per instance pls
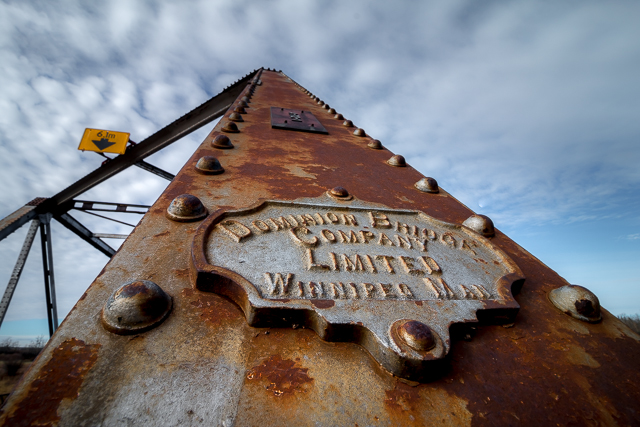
(246, 99)
(321, 102)
(375, 144)
(427, 185)
(222, 141)
(239, 110)
(339, 116)
(347, 123)
(326, 107)
(242, 103)
(578, 302)
(136, 307)
(481, 224)
(332, 111)
(417, 335)
(230, 127)
(359, 132)
(339, 192)
(185, 208)
(397, 161)
(209, 165)
(236, 117)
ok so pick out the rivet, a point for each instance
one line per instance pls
(321, 102)
(236, 117)
(481, 224)
(577, 301)
(222, 141)
(326, 107)
(242, 104)
(375, 144)
(136, 307)
(332, 110)
(397, 161)
(246, 99)
(240, 110)
(209, 165)
(417, 335)
(340, 193)
(347, 123)
(359, 132)
(427, 185)
(339, 116)
(230, 127)
(185, 208)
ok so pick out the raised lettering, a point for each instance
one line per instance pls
(368, 289)
(442, 292)
(370, 265)
(305, 219)
(355, 265)
(277, 285)
(465, 245)
(385, 259)
(234, 229)
(430, 265)
(332, 218)
(385, 290)
(407, 262)
(366, 236)
(448, 239)
(280, 223)
(354, 289)
(334, 261)
(384, 240)
(352, 238)
(311, 263)
(429, 234)
(404, 290)
(318, 218)
(402, 228)
(337, 290)
(261, 226)
(379, 220)
(328, 235)
(296, 233)
(421, 244)
(402, 242)
(349, 219)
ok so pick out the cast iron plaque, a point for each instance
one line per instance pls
(282, 118)
(355, 271)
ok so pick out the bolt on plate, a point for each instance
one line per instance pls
(390, 280)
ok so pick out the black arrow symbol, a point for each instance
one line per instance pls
(103, 143)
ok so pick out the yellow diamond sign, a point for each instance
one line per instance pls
(104, 141)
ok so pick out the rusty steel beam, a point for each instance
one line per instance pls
(185, 326)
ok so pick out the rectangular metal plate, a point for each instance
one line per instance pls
(287, 119)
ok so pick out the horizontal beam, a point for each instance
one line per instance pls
(90, 205)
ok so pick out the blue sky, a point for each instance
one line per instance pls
(526, 111)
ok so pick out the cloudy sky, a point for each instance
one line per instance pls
(526, 111)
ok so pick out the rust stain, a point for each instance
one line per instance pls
(60, 378)
(323, 303)
(214, 309)
(282, 376)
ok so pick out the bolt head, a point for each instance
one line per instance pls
(339, 192)
(230, 127)
(481, 224)
(222, 142)
(359, 132)
(326, 107)
(375, 144)
(397, 161)
(332, 111)
(186, 208)
(320, 102)
(427, 185)
(209, 165)
(239, 110)
(417, 335)
(578, 302)
(347, 123)
(135, 307)
(339, 116)
(246, 99)
(235, 117)
(242, 104)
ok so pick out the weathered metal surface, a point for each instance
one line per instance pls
(351, 270)
(300, 120)
(204, 365)
(577, 301)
